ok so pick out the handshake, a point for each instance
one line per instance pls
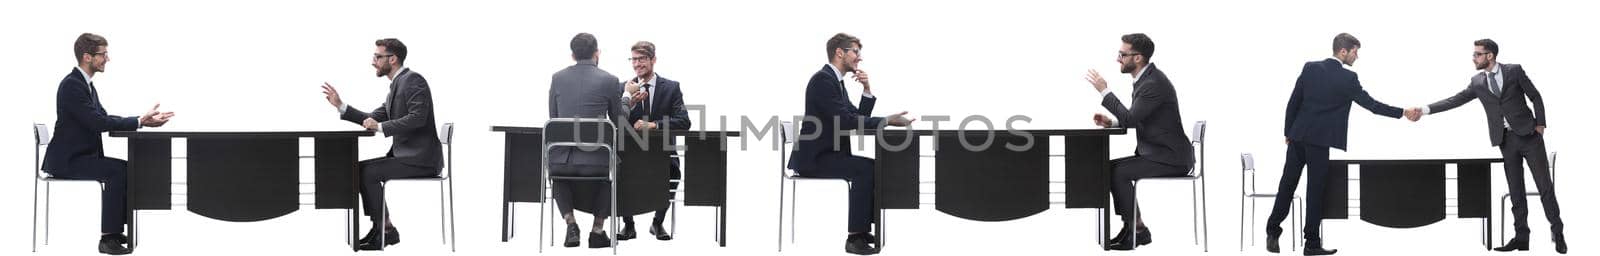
(1413, 114)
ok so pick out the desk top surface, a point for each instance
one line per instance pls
(535, 130)
(240, 134)
(1032, 132)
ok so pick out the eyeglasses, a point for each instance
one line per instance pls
(380, 56)
(1126, 54)
(100, 54)
(856, 50)
(1479, 54)
(640, 58)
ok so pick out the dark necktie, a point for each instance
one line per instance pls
(647, 99)
(1494, 87)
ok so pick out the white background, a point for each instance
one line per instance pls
(257, 65)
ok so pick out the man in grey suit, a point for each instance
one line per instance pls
(1163, 150)
(1504, 89)
(406, 115)
(583, 90)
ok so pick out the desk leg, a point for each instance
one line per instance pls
(722, 231)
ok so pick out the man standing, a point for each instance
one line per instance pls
(657, 105)
(825, 156)
(1316, 119)
(1163, 150)
(1504, 89)
(406, 115)
(76, 152)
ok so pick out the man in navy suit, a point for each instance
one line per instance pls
(826, 155)
(1163, 150)
(76, 152)
(1317, 119)
(1505, 91)
(658, 104)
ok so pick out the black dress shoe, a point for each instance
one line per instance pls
(572, 236)
(121, 239)
(1561, 242)
(659, 232)
(1315, 248)
(1144, 236)
(1520, 243)
(861, 244)
(1272, 242)
(626, 233)
(599, 240)
(390, 237)
(112, 244)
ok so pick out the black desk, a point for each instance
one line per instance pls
(242, 176)
(1408, 193)
(642, 178)
(996, 183)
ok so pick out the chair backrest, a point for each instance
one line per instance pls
(1247, 164)
(1199, 141)
(41, 134)
(789, 132)
(447, 133)
(41, 137)
(584, 132)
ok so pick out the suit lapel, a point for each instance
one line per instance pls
(394, 90)
(658, 94)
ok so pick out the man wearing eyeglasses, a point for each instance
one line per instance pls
(827, 154)
(1505, 90)
(76, 152)
(1318, 118)
(1163, 150)
(658, 104)
(406, 115)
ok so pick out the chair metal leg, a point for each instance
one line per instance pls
(46, 213)
(1502, 219)
(1205, 221)
(442, 230)
(452, 195)
(1242, 220)
(1194, 212)
(35, 234)
(794, 201)
(1253, 222)
(781, 199)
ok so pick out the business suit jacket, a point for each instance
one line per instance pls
(1319, 109)
(827, 100)
(1510, 106)
(79, 121)
(1155, 118)
(667, 111)
(407, 115)
(583, 90)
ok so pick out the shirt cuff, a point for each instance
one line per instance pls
(868, 95)
(1104, 93)
(343, 107)
(1426, 111)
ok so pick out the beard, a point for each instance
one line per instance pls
(1483, 65)
(384, 70)
(1127, 67)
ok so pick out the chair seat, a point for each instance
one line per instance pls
(798, 177)
(57, 179)
(429, 178)
(1265, 195)
(580, 178)
(1178, 177)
